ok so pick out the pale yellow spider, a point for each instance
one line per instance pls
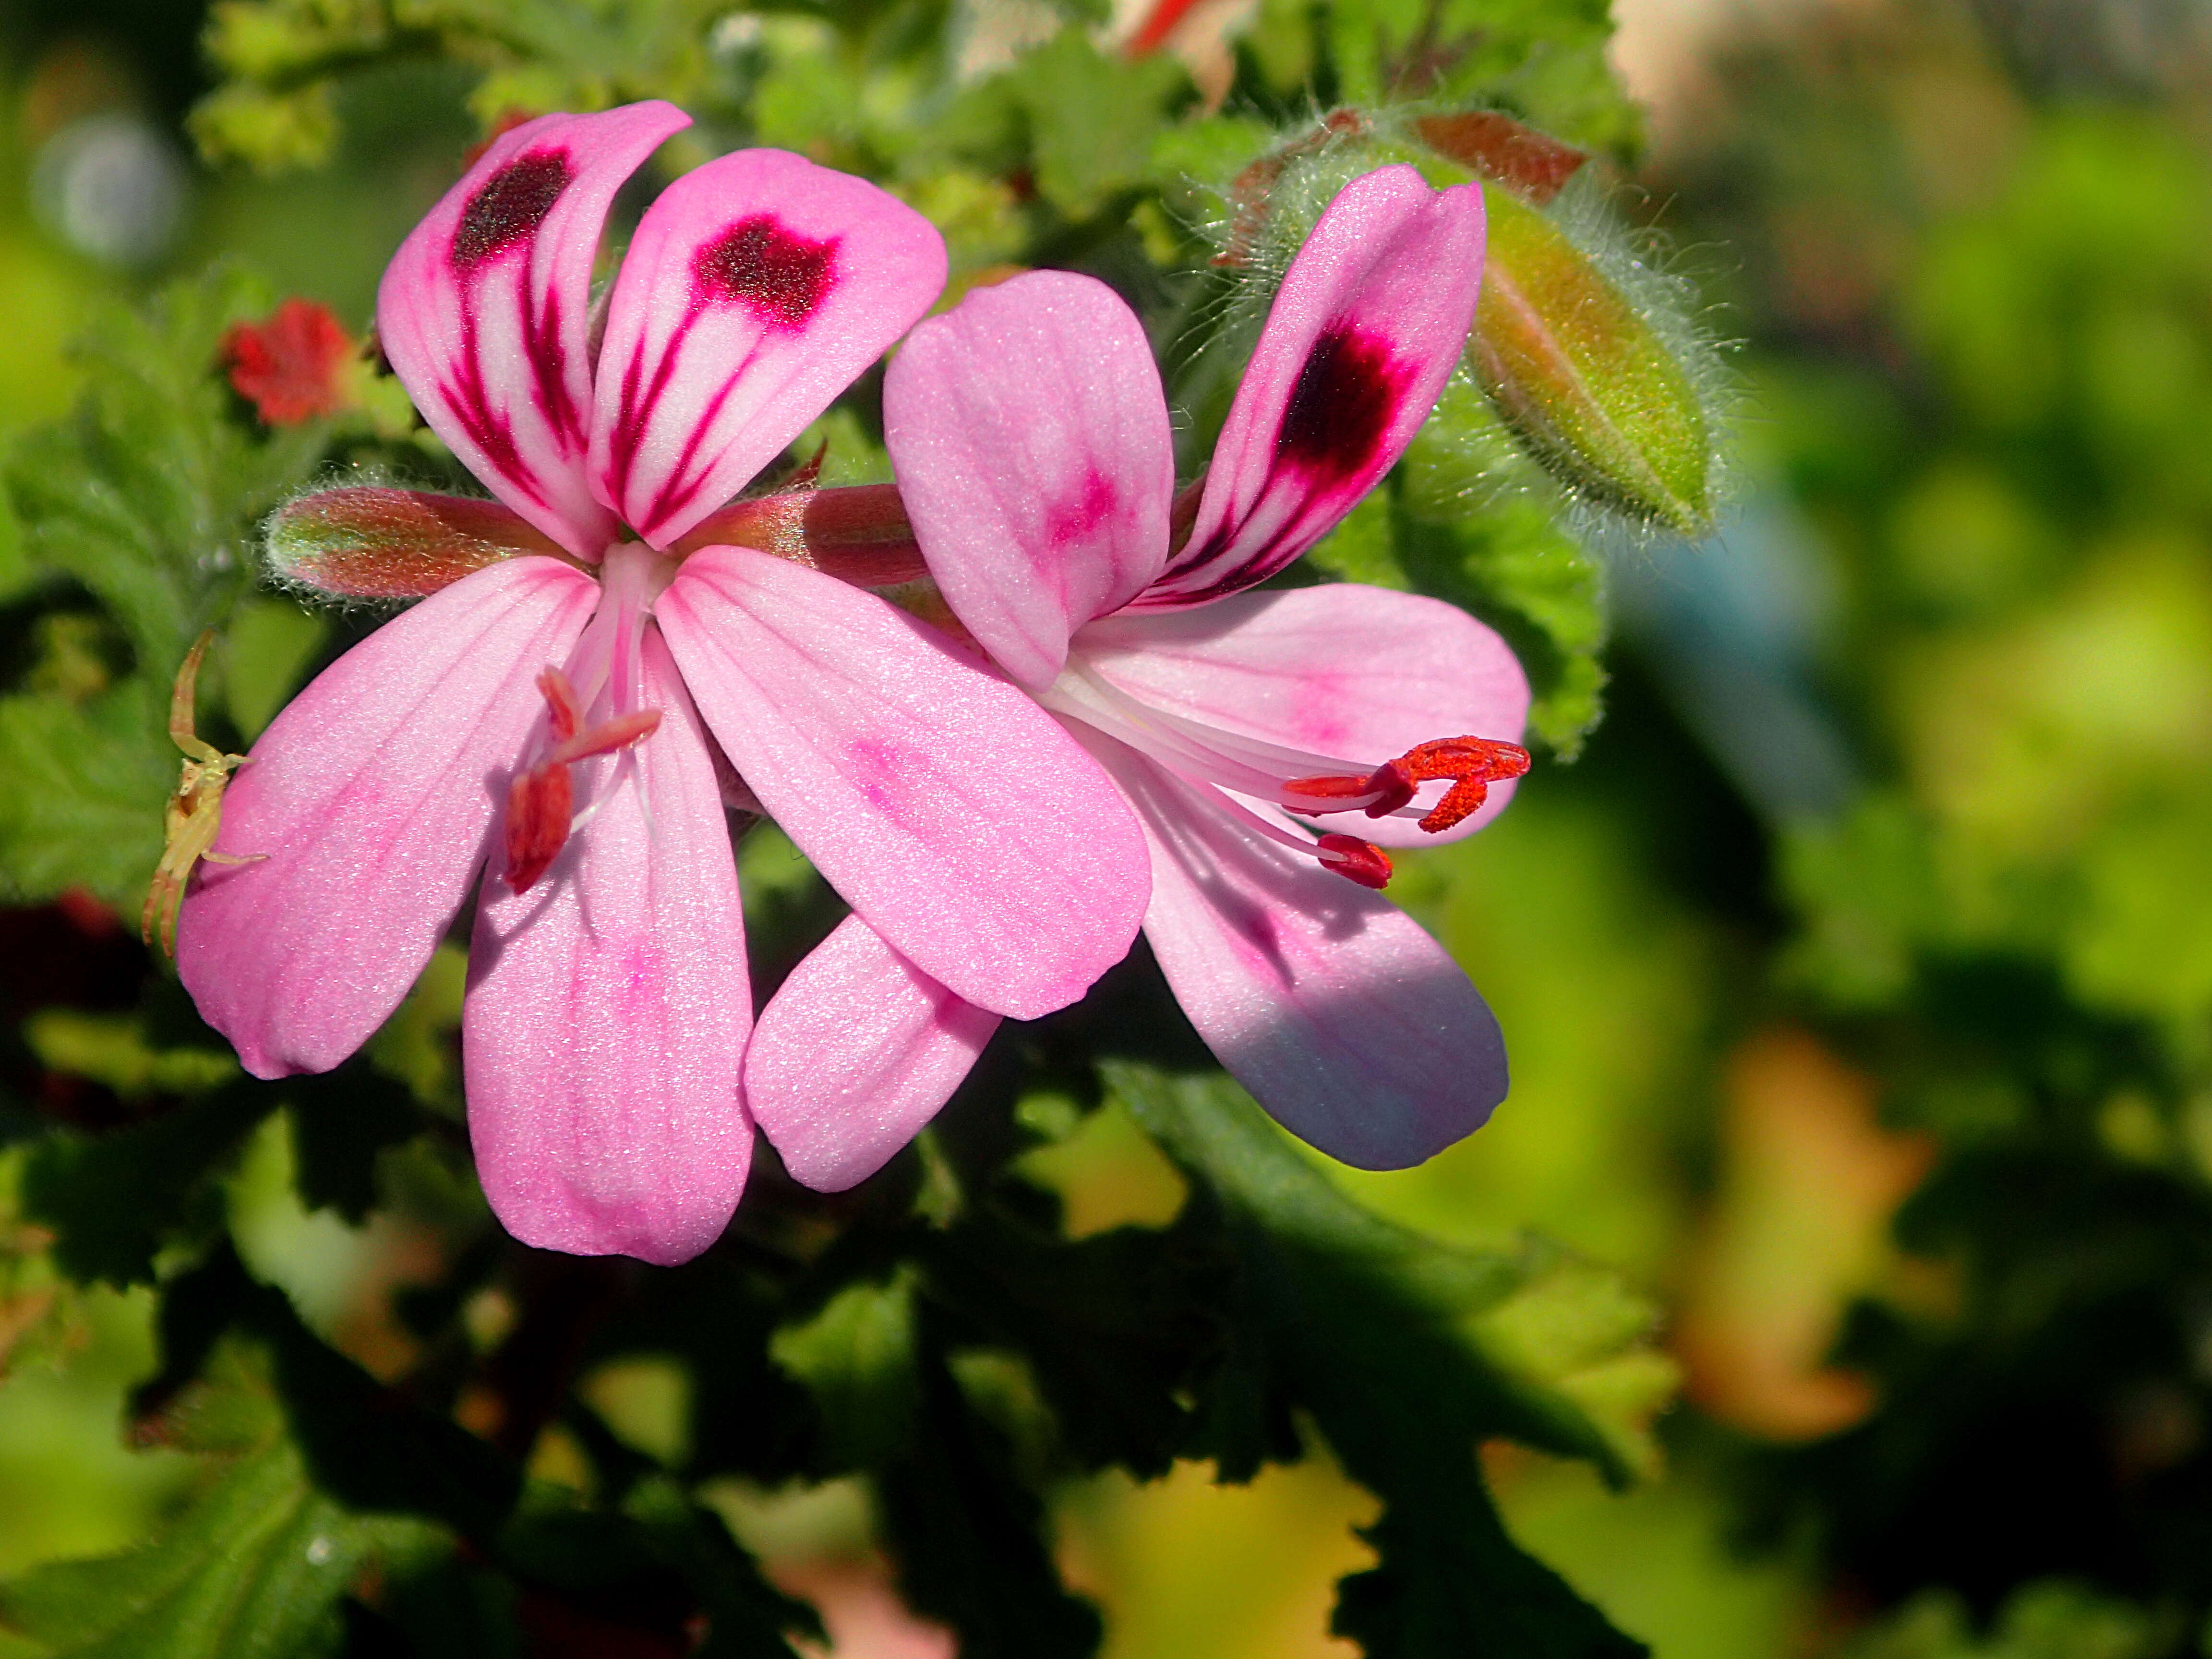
(194, 815)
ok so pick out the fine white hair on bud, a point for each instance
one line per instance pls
(1598, 384)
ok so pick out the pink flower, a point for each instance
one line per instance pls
(608, 1004)
(1033, 450)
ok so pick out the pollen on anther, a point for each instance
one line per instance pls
(539, 805)
(1472, 764)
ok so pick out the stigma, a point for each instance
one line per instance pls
(1472, 764)
(541, 801)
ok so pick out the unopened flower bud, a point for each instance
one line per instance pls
(1584, 378)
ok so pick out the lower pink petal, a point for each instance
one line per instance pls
(949, 810)
(607, 1014)
(854, 1055)
(369, 799)
(1360, 673)
(1351, 1025)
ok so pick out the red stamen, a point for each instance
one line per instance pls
(562, 707)
(1356, 861)
(539, 804)
(1472, 764)
(542, 802)
(605, 739)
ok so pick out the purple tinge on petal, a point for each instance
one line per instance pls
(1364, 331)
(856, 1051)
(608, 1010)
(1034, 455)
(1351, 1025)
(949, 809)
(758, 289)
(482, 311)
(1361, 673)
(369, 799)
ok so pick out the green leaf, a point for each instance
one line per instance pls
(114, 1201)
(149, 494)
(1114, 1326)
(1541, 58)
(340, 1122)
(367, 1445)
(112, 1049)
(1407, 1353)
(968, 1535)
(2052, 1619)
(86, 787)
(254, 1570)
(1092, 120)
(857, 1357)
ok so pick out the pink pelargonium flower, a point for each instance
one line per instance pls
(1033, 449)
(608, 1003)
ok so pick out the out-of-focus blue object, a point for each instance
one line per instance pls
(1731, 626)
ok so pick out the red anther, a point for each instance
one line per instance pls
(561, 709)
(1356, 861)
(608, 736)
(1472, 764)
(1397, 786)
(539, 804)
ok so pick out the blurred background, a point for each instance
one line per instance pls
(1857, 973)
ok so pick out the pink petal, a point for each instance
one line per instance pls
(1365, 329)
(950, 811)
(370, 796)
(758, 289)
(855, 1052)
(1359, 673)
(1350, 1024)
(1030, 437)
(607, 1014)
(483, 310)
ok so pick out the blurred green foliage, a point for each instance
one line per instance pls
(1899, 1105)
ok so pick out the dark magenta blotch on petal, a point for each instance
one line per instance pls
(509, 206)
(759, 264)
(1340, 410)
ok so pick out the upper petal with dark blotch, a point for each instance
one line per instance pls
(1030, 439)
(949, 809)
(608, 1009)
(369, 799)
(1364, 331)
(758, 289)
(1351, 1025)
(1359, 673)
(483, 310)
(854, 1053)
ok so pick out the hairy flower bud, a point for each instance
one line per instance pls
(1582, 377)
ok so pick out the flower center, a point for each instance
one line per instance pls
(608, 662)
(1234, 765)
